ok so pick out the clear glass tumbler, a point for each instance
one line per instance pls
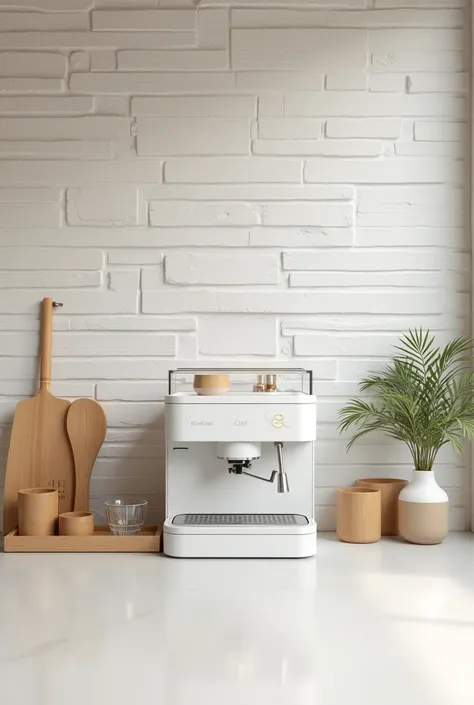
(125, 517)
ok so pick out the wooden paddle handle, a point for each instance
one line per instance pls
(46, 342)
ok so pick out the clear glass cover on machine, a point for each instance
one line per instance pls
(233, 380)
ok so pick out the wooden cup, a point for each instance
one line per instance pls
(390, 488)
(38, 510)
(359, 515)
(76, 524)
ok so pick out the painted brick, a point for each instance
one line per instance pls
(126, 280)
(161, 136)
(361, 129)
(186, 60)
(312, 148)
(410, 206)
(67, 105)
(221, 270)
(146, 83)
(64, 128)
(287, 128)
(48, 279)
(105, 60)
(50, 5)
(142, 238)
(358, 323)
(373, 105)
(102, 206)
(135, 257)
(130, 323)
(414, 280)
(129, 391)
(50, 258)
(114, 344)
(31, 85)
(388, 83)
(30, 64)
(346, 82)
(418, 60)
(438, 82)
(189, 213)
(18, 215)
(291, 302)
(148, 20)
(96, 40)
(301, 237)
(60, 150)
(401, 17)
(195, 106)
(80, 61)
(307, 214)
(289, 49)
(278, 81)
(440, 131)
(212, 28)
(393, 39)
(429, 149)
(232, 171)
(28, 195)
(271, 105)
(356, 260)
(238, 335)
(423, 170)
(25, 301)
(77, 172)
(412, 237)
(242, 192)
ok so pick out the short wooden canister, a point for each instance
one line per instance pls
(389, 488)
(76, 524)
(359, 516)
(38, 510)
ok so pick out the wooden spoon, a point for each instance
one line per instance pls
(86, 428)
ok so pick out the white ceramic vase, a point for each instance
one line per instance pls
(423, 510)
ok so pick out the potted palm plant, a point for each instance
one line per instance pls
(424, 397)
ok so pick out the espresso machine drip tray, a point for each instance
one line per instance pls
(240, 520)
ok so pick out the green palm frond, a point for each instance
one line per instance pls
(423, 397)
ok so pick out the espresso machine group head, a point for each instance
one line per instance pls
(239, 457)
(217, 446)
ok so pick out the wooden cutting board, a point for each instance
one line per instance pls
(86, 427)
(39, 453)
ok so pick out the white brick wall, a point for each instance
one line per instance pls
(225, 183)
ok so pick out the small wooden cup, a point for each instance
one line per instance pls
(76, 524)
(390, 488)
(359, 515)
(38, 509)
(210, 385)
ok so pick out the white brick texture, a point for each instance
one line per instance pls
(230, 182)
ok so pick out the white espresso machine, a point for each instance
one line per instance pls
(240, 466)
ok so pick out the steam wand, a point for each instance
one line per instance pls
(282, 478)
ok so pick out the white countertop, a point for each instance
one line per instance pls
(382, 624)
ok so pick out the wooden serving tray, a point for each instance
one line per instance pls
(101, 541)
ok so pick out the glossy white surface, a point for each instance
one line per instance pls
(381, 624)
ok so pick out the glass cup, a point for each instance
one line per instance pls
(125, 517)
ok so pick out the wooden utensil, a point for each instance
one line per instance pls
(86, 427)
(39, 453)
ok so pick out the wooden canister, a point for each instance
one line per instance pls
(76, 524)
(389, 488)
(359, 516)
(210, 385)
(38, 510)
